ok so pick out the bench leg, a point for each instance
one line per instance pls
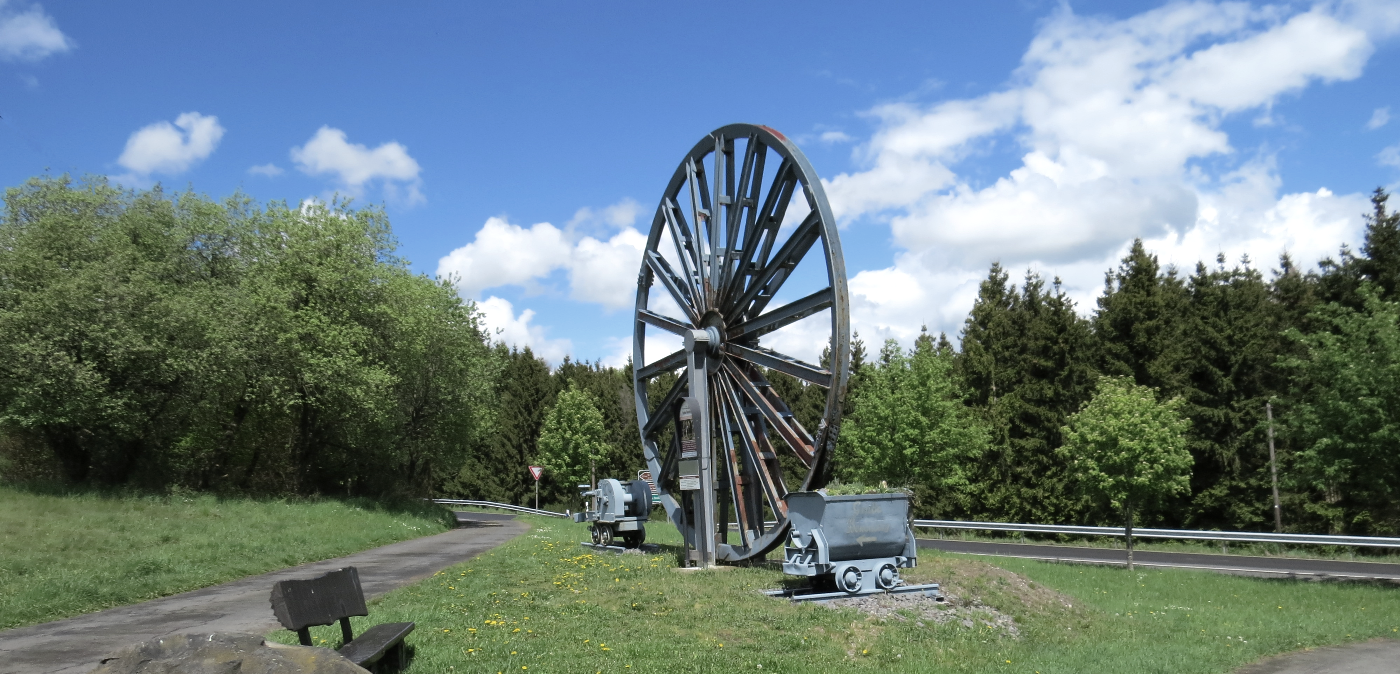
(304, 634)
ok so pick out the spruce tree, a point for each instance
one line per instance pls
(1234, 336)
(1028, 354)
(1140, 322)
(1380, 263)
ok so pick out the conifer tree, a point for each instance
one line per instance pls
(1380, 263)
(1234, 334)
(523, 394)
(1027, 353)
(1140, 321)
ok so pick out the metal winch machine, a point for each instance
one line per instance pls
(616, 511)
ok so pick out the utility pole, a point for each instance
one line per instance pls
(1273, 467)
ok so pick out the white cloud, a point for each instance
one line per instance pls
(269, 170)
(355, 165)
(620, 215)
(515, 330)
(30, 35)
(172, 148)
(835, 137)
(1114, 118)
(506, 254)
(1379, 118)
(601, 271)
(1390, 156)
(606, 272)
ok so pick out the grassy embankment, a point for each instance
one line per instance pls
(63, 555)
(542, 602)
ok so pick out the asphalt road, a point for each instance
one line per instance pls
(75, 645)
(1273, 567)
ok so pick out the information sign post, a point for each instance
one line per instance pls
(536, 472)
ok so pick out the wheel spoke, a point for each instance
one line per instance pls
(664, 322)
(723, 161)
(792, 436)
(673, 453)
(743, 204)
(785, 364)
(686, 248)
(666, 364)
(773, 490)
(700, 215)
(775, 206)
(666, 409)
(778, 269)
(661, 269)
(738, 487)
(784, 315)
(755, 254)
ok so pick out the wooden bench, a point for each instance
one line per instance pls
(301, 604)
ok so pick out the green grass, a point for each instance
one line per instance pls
(542, 602)
(64, 555)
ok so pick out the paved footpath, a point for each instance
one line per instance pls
(1378, 656)
(74, 645)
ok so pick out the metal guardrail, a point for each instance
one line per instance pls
(493, 504)
(1179, 534)
(1069, 529)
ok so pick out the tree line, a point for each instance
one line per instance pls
(1322, 347)
(171, 340)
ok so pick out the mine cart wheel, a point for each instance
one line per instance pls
(848, 580)
(596, 533)
(887, 577)
(605, 534)
(743, 223)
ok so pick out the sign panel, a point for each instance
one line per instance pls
(537, 472)
(690, 482)
(645, 475)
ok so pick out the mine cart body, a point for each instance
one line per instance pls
(619, 510)
(859, 542)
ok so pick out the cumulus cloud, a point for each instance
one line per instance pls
(355, 165)
(601, 271)
(620, 215)
(269, 170)
(1379, 118)
(1390, 156)
(172, 148)
(516, 329)
(29, 35)
(1115, 119)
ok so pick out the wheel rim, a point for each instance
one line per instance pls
(722, 273)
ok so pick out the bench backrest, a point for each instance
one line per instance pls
(320, 601)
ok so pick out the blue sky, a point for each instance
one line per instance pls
(523, 146)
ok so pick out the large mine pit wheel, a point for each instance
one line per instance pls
(723, 244)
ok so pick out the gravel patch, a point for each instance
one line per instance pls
(968, 612)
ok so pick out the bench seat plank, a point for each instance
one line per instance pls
(370, 646)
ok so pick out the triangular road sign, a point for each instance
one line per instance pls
(536, 471)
